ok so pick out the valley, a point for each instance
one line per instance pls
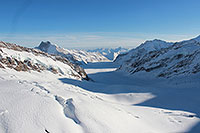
(44, 92)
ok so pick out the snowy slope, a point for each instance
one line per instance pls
(26, 59)
(162, 59)
(110, 53)
(75, 56)
(143, 49)
(45, 102)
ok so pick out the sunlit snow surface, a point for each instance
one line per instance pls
(33, 102)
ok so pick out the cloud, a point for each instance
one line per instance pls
(90, 40)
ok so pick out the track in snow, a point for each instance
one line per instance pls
(142, 92)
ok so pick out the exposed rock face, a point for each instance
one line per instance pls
(181, 58)
(75, 67)
(1, 66)
(44, 46)
(13, 62)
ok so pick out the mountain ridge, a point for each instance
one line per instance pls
(28, 59)
(80, 57)
(167, 60)
(110, 53)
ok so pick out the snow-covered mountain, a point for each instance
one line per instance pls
(27, 59)
(76, 56)
(110, 53)
(143, 49)
(162, 59)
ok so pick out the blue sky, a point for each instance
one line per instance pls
(98, 23)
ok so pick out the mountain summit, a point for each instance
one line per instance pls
(48, 47)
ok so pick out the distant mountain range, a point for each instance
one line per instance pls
(110, 53)
(80, 57)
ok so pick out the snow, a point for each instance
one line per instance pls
(142, 49)
(113, 102)
(68, 108)
(161, 59)
(76, 56)
(39, 59)
(110, 53)
(197, 38)
(155, 44)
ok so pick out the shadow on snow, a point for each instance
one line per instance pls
(166, 97)
(100, 65)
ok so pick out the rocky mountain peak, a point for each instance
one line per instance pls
(48, 47)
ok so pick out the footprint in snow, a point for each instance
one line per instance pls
(189, 115)
(3, 112)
